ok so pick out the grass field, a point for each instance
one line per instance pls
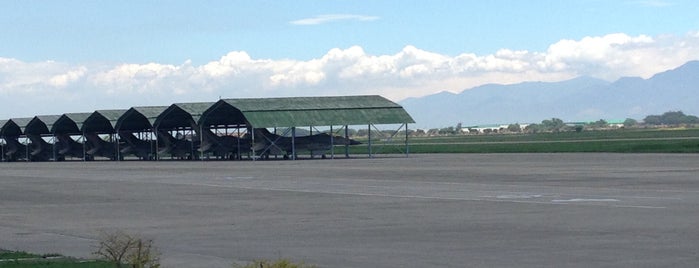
(20, 259)
(614, 141)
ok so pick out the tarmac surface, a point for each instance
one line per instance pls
(461, 210)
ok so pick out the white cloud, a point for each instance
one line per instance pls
(63, 80)
(410, 72)
(321, 19)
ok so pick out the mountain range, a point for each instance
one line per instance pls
(578, 99)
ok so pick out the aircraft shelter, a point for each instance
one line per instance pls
(72, 135)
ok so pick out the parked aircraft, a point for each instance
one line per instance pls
(180, 148)
(67, 147)
(319, 144)
(96, 146)
(14, 150)
(39, 149)
(225, 147)
(138, 147)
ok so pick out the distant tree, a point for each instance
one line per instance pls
(600, 124)
(459, 128)
(532, 128)
(553, 125)
(690, 119)
(447, 131)
(630, 122)
(579, 128)
(653, 120)
(516, 128)
(671, 118)
(433, 131)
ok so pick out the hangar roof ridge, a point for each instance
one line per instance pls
(41, 124)
(147, 113)
(320, 111)
(102, 121)
(312, 103)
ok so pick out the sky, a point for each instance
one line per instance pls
(80, 56)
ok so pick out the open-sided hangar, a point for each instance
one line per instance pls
(225, 129)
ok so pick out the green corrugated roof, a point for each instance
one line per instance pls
(78, 118)
(195, 109)
(102, 121)
(139, 118)
(150, 112)
(41, 124)
(178, 114)
(321, 111)
(69, 123)
(22, 122)
(111, 115)
(312, 103)
(222, 114)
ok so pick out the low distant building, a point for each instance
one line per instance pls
(614, 123)
(490, 128)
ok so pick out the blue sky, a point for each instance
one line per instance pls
(130, 53)
(175, 31)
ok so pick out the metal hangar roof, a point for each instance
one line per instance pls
(320, 111)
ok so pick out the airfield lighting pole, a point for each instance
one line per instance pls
(369, 140)
(84, 150)
(157, 151)
(347, 143)
(26, 148)
(54, 147)
(275, 133)
(293, 143)
(201, 141)
(118, 151)
(407, 147)
(252, 145)
(310, 133)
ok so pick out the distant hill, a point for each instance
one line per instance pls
(579, 99)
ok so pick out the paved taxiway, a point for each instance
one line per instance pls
(492, 210)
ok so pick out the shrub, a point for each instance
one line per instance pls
(121, 248)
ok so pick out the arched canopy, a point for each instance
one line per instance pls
(139, 118)
(222, 113)
(69, 123)
(181, 115)
(10, 129)
(102, 121)
(21, 125)
(41, 124)
(251, 112)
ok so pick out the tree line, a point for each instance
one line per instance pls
(667, 119)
